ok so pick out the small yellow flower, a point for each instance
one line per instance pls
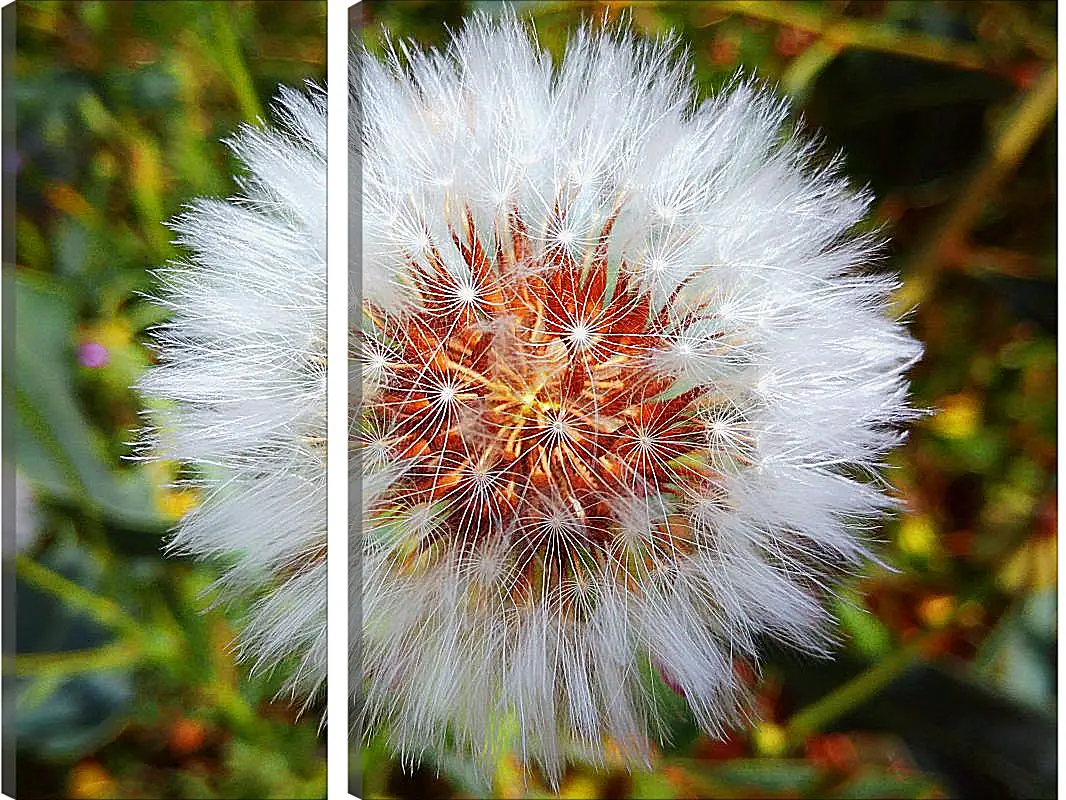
(936, 611)
(958, 418)
(176, 503)
(89, 780)
(917, 536)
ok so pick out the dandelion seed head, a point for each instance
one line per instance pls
(239, 391)
(634, 373)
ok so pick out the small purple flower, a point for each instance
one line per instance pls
(93, 355)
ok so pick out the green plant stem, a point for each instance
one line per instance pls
(856, 691)
(100, 609)
(805, 68)
(229, 51)
(1020, 127)
(845, 33)
(73, 662)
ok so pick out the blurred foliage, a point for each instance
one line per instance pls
(122, 685)
(945, 685)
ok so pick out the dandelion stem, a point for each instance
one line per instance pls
(856, 33)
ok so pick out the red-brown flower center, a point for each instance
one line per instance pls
(520, 402)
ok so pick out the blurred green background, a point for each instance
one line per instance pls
(945, 683)
(121, 686)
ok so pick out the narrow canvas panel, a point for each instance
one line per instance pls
(164, 399)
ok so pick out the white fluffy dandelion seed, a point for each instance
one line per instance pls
(627, 383)
(239, 392)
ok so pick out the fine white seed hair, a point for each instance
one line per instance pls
(239, 391)
(505, 604)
